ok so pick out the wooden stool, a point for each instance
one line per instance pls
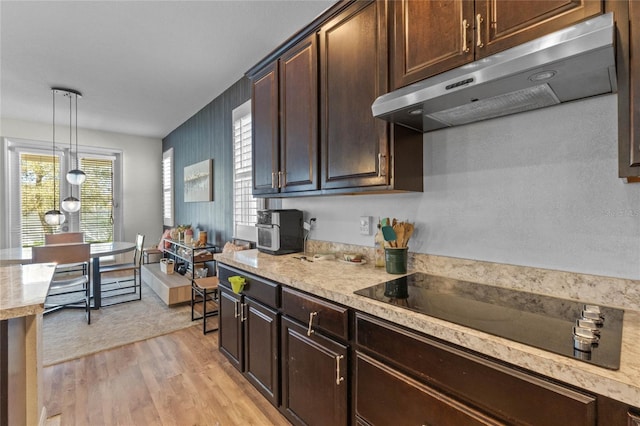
(204, 291)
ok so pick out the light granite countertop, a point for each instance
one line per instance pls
(23, 289)
(337, 281)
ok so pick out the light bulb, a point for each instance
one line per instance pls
(54, 217)
(76, 177)
(71, 204)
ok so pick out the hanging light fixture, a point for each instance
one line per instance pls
(54, 216)
(74, 177)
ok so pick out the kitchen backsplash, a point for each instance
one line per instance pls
(537, 189)
(616, 292)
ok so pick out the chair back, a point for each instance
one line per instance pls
(61, 253)
(64, 238)
(137, 254)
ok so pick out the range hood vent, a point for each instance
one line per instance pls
(573, 63)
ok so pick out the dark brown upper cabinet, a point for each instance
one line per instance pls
(358, 151)
(353, 69)
(313, 130)
(285, 117)
(430, 37)
(265, 130)
(627, 16)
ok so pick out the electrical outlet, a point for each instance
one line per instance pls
(365, 225)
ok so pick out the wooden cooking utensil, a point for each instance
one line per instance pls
(408, 232)
(399, 230)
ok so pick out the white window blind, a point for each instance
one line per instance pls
(36, 196)
(245, 206)
(167, 187)
(96, 200)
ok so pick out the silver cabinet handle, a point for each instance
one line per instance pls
(281, 179)
(243, 311)
(380, 157)
(273, 179)
(235, 309)
(338, 378)
(311, 315)
(465, 26)
(479, 30)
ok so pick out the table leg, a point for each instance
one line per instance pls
(97, 296)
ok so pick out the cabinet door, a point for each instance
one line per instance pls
(230, 329)
(430, 37)
(413, 403)
(353, 62)
(265, 139)
(261, 348)
(508, 23)
(299, 117)
(314, 377)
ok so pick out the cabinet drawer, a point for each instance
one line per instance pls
(397, 394)
(255, 287)
(504, 392)
(328, 317)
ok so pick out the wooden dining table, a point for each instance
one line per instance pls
(22, 256)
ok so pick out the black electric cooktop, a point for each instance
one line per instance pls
(542, 321)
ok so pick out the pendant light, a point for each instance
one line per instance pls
(74, 177)
(54, 216)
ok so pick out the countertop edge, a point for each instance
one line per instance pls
(21, 311)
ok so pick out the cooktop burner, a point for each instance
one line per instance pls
(587, 332)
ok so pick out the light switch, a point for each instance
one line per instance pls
(365, 225)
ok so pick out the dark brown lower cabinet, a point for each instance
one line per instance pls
(249, 339)
(4, 372)
(314, 377)
(384, 396)
(230, 328)
(261, 348)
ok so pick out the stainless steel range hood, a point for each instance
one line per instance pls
(573, 63)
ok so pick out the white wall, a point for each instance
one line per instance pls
(536, 189)
(142, 185)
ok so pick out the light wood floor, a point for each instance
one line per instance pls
(176, 379)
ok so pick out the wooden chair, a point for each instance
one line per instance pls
(64, 254)
(115, 289)
(66, 238)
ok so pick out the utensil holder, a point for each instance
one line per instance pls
(396, 259)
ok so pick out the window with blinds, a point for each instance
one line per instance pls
(96, 200)
(245, 206)
(36, 195)
(167, 187)
(30, 187)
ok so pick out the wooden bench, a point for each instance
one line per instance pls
(171, 288)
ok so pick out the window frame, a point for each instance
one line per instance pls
(243, 231)
(168, 192)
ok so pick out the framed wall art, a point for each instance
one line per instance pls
(198, 185)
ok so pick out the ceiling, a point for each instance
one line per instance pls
(143, 67)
